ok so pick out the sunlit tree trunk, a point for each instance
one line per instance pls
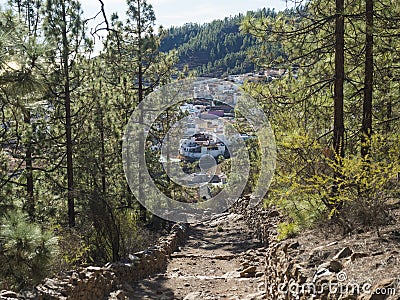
(338, 125)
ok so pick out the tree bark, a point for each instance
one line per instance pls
(103, 155)
(338, 125)
(142, 159)
(30, 202)
(68, 125)
(338, 120)
(366, 129)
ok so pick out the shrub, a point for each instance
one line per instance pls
(27, 251)
(312, 187)
(287, 230)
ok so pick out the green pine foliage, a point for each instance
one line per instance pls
(66, 172)
(312, 184)
(64, 199)
(218, 48)
(27, 250)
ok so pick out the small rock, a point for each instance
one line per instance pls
(118, 295)
(345, 252)
(395, 234)
(294, 245)
(273, 214)
(128, 288)
(335, 266)
(254, 258)
(133, 257)
(393, 202)
(321, 272)
(250, 252)
(167, 297)
(52, 283)
(193, 296)
(332, 244)
(248, 272)
(357, 255)
(8, 294)
(186, 284)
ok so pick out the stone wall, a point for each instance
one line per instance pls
(261, 221)
(297, 269)
(322, 273)
(94, 283)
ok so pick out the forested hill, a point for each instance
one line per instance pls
(215, 48)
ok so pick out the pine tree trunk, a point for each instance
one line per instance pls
(103, 156)
(338, 122)
(366, 129)
(68, 125)
(338, 126)
(30, 202)
(142, 160)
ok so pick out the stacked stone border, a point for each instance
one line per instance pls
(293, 272)
(260, 220)
(94, 283)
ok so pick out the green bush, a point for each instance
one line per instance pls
(311, 187)
(287, 230)
(27, 251)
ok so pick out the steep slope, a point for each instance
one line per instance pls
(217, 48)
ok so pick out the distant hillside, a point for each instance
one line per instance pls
(214, 49)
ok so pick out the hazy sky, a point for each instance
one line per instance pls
(178, 12)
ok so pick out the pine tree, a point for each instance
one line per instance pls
(24, 89)
(134, 50)
(330, 52)
(65, 28)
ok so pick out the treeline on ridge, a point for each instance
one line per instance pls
(217, 48)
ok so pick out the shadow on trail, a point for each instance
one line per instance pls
(152, 288)
(233, 240)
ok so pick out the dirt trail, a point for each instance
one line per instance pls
(220, 260)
